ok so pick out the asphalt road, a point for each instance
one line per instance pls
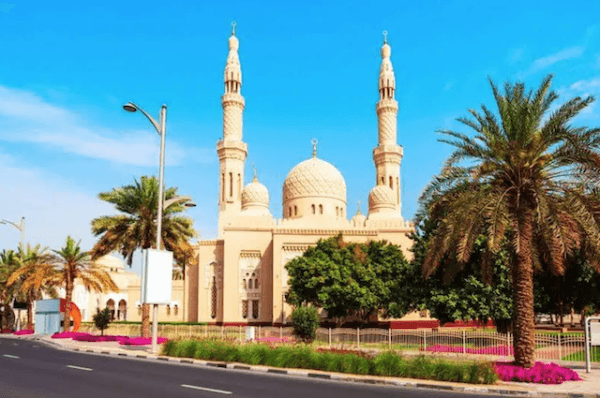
(31, 369)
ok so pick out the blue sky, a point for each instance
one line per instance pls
(310, 70)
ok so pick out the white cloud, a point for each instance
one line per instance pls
(549, 60)
(26, 117)
(52, 207)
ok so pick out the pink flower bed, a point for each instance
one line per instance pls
(94, 339)
(23, 332)
(68, 335)
(495, 350)
(7, 331)
(141, 341)
(541, 373)
(273, 340)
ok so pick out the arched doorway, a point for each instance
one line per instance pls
(110, 304)
(122, 314)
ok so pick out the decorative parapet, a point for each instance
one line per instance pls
(316, 231)
(214, 242)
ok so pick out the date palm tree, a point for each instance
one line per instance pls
(135, 227)
(72, 264)
(527, 176)
(31, 260)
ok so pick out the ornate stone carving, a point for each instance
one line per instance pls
(314, 177)
(255, 194)
(381, 196)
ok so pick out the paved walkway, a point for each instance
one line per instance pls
(588, 388)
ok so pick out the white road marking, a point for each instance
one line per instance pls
(206, 389)
(11, 356)
(78, 367)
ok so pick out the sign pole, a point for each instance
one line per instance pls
(588, 365)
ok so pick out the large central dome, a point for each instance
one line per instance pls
(314, 178)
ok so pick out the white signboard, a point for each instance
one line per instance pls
(157, 276)
(595, 333)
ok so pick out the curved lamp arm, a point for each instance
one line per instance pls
(131, 107)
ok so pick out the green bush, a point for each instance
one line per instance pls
(305, 321)
(102, 319)
(387, 363)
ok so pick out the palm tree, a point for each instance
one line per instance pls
(8, 264)
(135, 227)
(31, 263)
(527, 177)
(72, 264)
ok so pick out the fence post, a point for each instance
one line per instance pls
(464, 342)
(329, 337)
(222, 330)
(190, 330)
(281, 332)
(241, 333)
(559, 348)
(358, 336)
(424, 340)
(259, 330)
(176, 331)
(206, 330)
(390, 337)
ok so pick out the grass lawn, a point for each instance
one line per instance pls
(580, 355)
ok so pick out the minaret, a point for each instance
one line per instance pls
(388, 154)
(231, 149)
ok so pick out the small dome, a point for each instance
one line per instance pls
(381, 197)
(358, 220)
(110, 262)
(255, 194)
(314, 178)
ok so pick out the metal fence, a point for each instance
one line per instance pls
(468, 342)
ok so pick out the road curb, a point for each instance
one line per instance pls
(327, 376)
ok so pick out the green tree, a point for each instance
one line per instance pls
(349, 279)
(461, 293)
(526, 177)
(102, 319)
(8, 264)
(135, 227)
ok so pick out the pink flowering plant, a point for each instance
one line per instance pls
(23, 332)
(90, 338)
(494, 350)
(540, 373)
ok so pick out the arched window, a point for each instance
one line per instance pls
(398, 189)
(320, 209)
(382, 180)
(290, 211)
(341, 212)
(123, 310)
(223, 186)
(110, 304)
(256, 283)
(337, 211)
(249, 283)
(230, 184)
(295, 210)
(255, 309)
(168, 309)
(176, 310)
(244, 309)
(391, 182)
(313, 209)
(239, 186)
(244, 283)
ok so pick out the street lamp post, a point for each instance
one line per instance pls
(161, 129)
(21, 227)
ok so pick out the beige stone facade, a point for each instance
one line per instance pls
(241, 276)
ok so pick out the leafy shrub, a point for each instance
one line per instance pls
(305, 321)
(387, 363)
(102, 319)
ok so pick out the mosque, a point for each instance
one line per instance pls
(241, 276)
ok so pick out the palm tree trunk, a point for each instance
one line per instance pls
(68, 295)
(524, 327)
(146, 320)
(30, 311)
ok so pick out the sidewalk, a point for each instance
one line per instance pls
(588, 388)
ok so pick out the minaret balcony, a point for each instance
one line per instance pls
(390, 153)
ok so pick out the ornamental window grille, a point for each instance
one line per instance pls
(213, 303)
(249, 283)
(256, 283)
(244, 309)
(255, 309)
